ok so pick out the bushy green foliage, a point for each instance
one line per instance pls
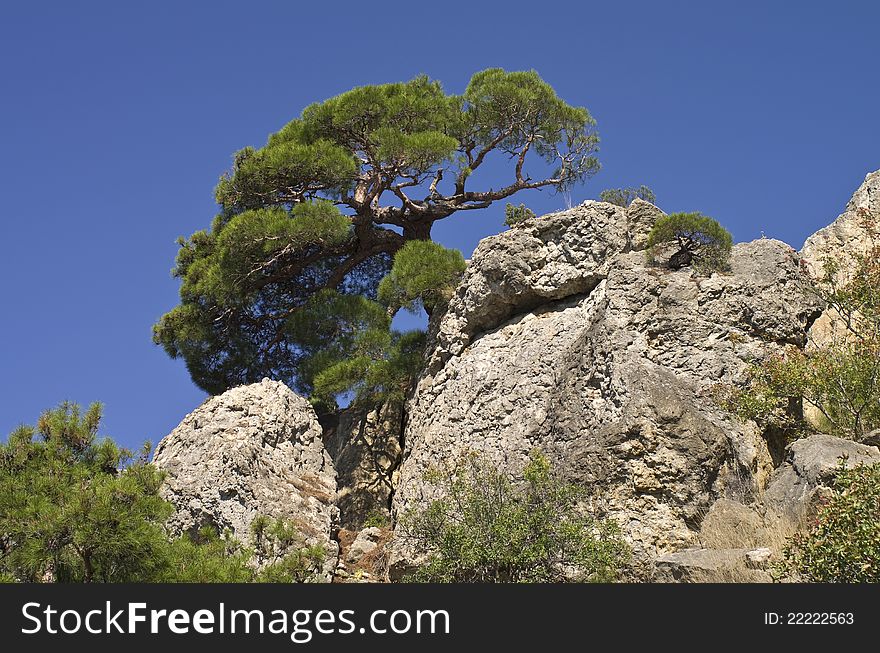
(487, 528)
(625, 196)
(377, 519)
(513, 215)
(843, 545)
(285, 556)
(839, 379)
(204, 557)
(76, 508)
(68, 508)
(842, 382)
(322, 208)
(381, 369)
(424, 275)
(699, 238)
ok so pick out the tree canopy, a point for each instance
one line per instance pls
(625, 196)
(77, 508)
(311, 221)
(699, 239)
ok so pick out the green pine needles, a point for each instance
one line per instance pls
(696, 239)
(76, 508)
(424, 275)
(514, 215)
(311, 223)
(625, 196)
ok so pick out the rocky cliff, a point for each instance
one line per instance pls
(840, 242)
(561, 337)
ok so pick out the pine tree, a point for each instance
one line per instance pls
(77, 508)
(310, 223)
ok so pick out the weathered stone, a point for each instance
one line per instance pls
(841, 242)
(254, 450)
(758, 558)
(845, 234)
(809, 467)
(544, 259)
(708, 566)
(366, 541)
(366, 452)
(562, 337)
(641, 216)
(730, 524)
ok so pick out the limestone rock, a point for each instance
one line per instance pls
(841, 241)
(544, 259)
(809, 467)
(562, 337)
(366, 452)
(845, 234)
(758, 558)
(709, 566)
(366, 541)
(254, 450)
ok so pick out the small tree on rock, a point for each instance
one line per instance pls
(625, 196)
(513, 215)
(699, 240)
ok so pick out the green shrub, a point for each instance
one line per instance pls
(487, 528)
(76, 508)
(284, 554)
(424, 275)
(840, 379)
(513, 215)
(842, 382)
(700, 240)
(625, 196)
(843, 546)
(377, 519)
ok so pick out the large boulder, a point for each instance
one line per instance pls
(713, 566)
(809, 469)
(561, 337)
(254, 450)
(541, 260)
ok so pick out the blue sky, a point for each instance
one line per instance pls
(118, 118)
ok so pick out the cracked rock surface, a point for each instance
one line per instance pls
(254, 450)
(562, 337)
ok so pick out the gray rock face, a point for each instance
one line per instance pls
(366, 541)
(713, 566)
(845, 234)
(561, 337)
(809, 467)
(841, 241)
(366, 452)
(254, 450)
(544, 259)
